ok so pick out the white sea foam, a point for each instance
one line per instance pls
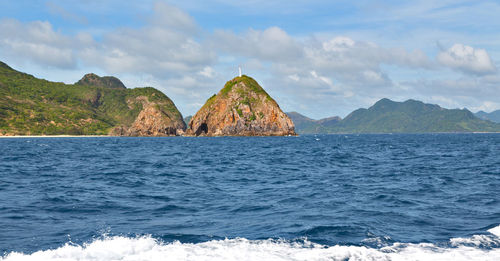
(148, 248)
(495, 231)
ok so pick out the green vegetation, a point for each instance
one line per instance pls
(31, 106)
(96, 81)
(252, 117)
(305, 125)
(411, 116)
(245, 96)
(246, 101)
(387, 116)
(249, 82)
(209, 101)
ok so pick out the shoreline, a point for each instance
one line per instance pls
(56, 136)
(111, 136)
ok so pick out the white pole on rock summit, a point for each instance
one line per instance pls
(239, 68)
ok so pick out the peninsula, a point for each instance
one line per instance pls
(93, 106)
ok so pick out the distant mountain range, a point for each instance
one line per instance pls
(104, 106)
(307, 125)
(187, 119)
(387, 116)
(493, 116)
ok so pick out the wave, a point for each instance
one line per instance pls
(477, 247)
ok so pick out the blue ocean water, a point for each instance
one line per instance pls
(332, 196)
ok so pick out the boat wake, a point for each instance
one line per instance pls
(477, 247)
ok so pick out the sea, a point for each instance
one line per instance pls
(311, 197)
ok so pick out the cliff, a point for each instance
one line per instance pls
(241, 108)
(158, 117)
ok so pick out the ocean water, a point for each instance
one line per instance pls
(324, 197)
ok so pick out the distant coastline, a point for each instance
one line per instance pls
(56, 136)
(103, 107)
(307, 134)
(387, 116)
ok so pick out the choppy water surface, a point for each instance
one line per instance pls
(325, 197)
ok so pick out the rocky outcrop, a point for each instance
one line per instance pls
(91, 79)
(241, 108)
(155, 119)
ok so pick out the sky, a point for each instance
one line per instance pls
(320, 58)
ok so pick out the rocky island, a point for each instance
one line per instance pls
(241, 108)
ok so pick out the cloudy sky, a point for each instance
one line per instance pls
(316, 57)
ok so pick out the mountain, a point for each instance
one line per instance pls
(493, 116)
(91, 79)
(187, 119)
(241, 108)
(411, 116)
(306, 125)
(330, 121)
(387, 116)
(31, 106)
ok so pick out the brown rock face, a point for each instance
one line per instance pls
(241, 108)
(155, 119)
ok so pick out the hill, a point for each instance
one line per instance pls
(387, 116)
(31, 106)
(493, 116)
(412, 116)
(241, 108)
(91, 79)
(306, 125)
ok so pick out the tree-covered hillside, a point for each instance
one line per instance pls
(412, 116)
(31, 106)
(388, 116)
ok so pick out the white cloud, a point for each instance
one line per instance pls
(374, 77)
(294, 77)
(327, 72)
(467, 59)
(165, 48)
(171, 17)
(208, 72)
(272, 44)
(37, 41)
(310, 69)
(487, 106)
(474, 93)
(343, 53)
(338, 44)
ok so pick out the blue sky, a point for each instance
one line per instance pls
(320, 58)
